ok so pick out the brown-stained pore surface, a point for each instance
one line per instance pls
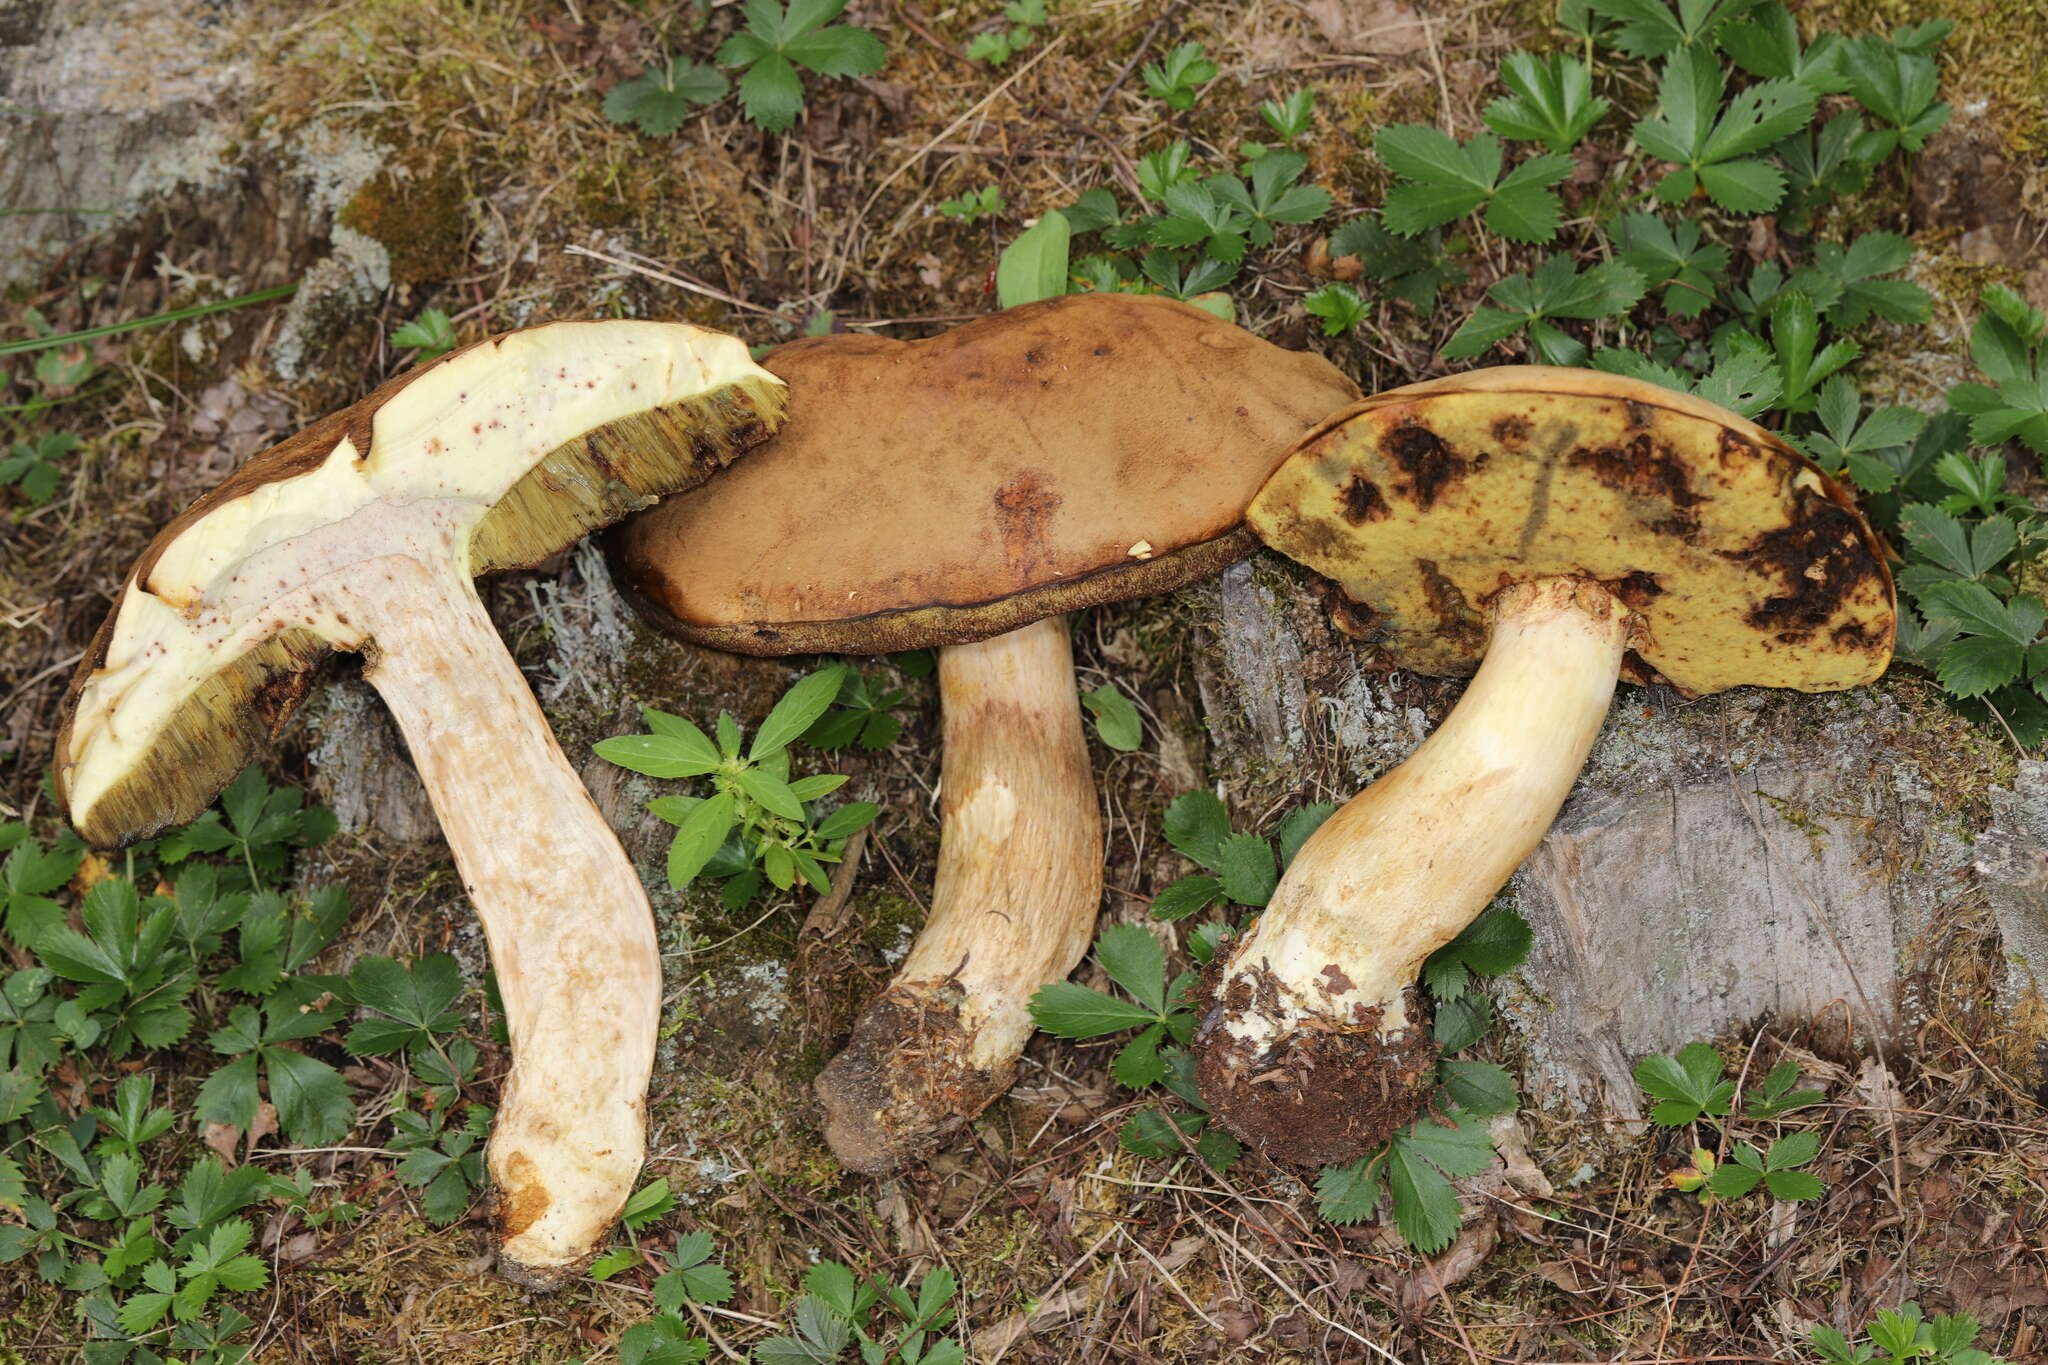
(1082, 450)
(587, 482)
(1747, 565)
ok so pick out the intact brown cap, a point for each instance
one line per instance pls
(1746, 564)
(1082, 450)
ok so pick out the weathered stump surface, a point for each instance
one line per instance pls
(2012, 860)
(132, 100)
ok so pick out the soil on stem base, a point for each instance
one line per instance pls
(1323, 1094)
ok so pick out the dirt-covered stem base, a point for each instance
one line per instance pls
(1311, 1049)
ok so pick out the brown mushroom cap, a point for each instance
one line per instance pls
(1746, 564)
(1082, 450)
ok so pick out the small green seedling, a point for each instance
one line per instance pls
(1556, 289)
(1290, 119)
(1690, 1087)
(1240, 868)
(974, 205)
(1553, 101)
(430, 336)
(1897, 1338)
(658, 99)
(1116, 719)
(1715, 148)
(1439, 179)
(1411, 269)
(1178, 79)
(1338, 306)
(839, 1310)
(780, 38)
(758, 822)
(31, 465)
(861, 714)
(1023, 19)
(2008, 346)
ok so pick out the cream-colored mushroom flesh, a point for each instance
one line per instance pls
(363, 533)
(1567, 528)
(963, 489)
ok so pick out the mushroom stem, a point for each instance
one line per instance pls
(1013, 904)
(569, 928)
(1311, 1050)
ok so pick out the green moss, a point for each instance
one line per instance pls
(419, 213)
(1002, 1258)
(887, 921)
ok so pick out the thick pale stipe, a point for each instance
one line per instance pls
(1013, 904)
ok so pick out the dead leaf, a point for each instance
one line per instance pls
(1380, 28)
(1876, 1087)
(1179, 1253)
(1991, 1295)
(992, 1342)
(264, 1125)
(92, 870)
(1238, 1322)
(223, 1138)
(1464, 1257)
(1520, 1168)
(1351, 1277)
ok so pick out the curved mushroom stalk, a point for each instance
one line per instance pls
(570, 931)
(1013, 904)
(1313, 1050)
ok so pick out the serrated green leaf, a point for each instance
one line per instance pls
(1184, 897)
(1197, 825)
(1068, 1010)
(1481, 1089)
(1351, 1194)
(1135, 960)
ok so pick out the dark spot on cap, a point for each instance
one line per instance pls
(1362, 501)
(1456, 620)
(1735, 448)
(1637, 590)
(1354, 618)
(1034, 356)
(1639, 414)
(273, 700)
(1511, 430)
(1645, 468)
(1820, 562)
(1101, 350)
(1422, 455)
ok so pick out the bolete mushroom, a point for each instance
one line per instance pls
(964, 491)
(362, 533)
(1556, 529)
